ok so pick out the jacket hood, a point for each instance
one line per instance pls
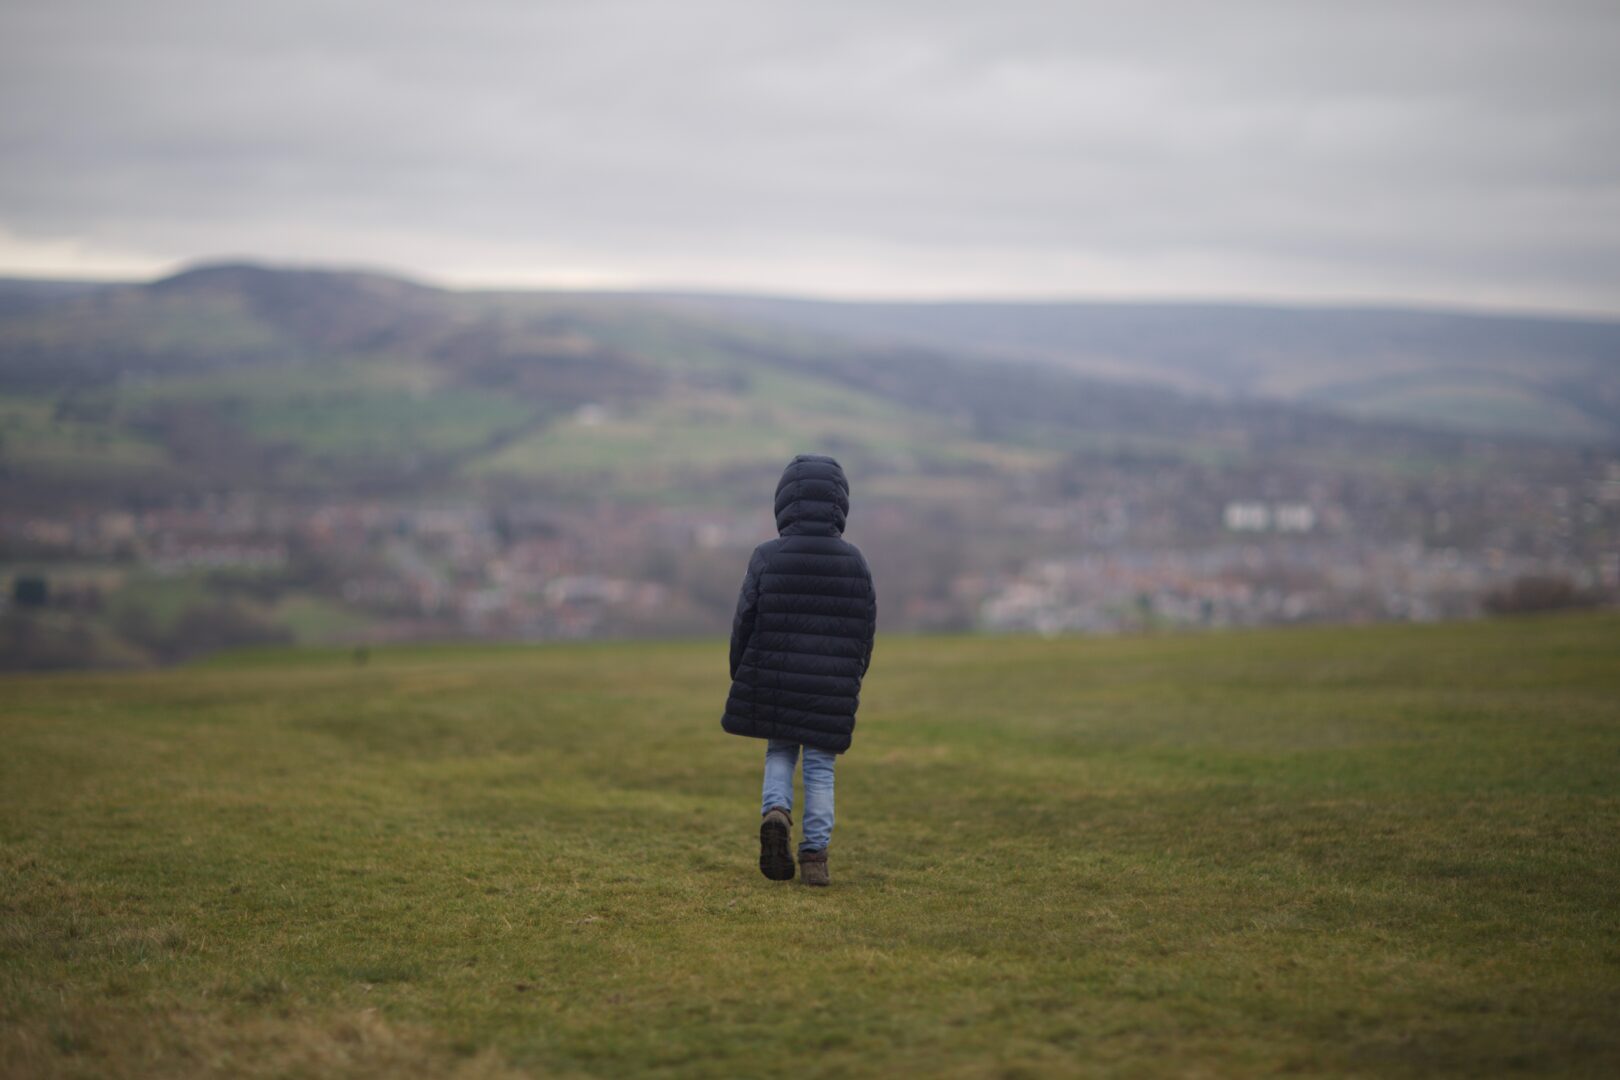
(812, 498)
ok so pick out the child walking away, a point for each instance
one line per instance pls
(800, 645)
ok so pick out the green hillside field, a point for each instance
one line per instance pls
(1382, 851)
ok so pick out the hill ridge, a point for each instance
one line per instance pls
(1492, 373)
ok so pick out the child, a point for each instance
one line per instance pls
(800, 645)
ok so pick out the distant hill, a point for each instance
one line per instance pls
(248, 377)
(25, 294)
(1550, 377)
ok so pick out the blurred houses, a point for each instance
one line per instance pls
(1135, 550)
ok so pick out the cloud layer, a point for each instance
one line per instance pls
(1463, 152)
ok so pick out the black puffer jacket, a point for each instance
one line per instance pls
(802, 638)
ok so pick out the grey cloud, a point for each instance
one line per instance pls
(1468, 152)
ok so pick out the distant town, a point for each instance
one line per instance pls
(1138, 550)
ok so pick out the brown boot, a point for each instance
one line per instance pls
(775, 853)
(814, 865)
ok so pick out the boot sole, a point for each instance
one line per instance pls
(775, 854)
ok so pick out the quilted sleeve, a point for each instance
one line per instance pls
(742, 624)
(871, 616)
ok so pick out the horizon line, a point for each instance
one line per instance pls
(1347, 303)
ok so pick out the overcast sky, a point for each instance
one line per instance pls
(1415, 152)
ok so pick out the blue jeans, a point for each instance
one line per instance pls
(780, 757)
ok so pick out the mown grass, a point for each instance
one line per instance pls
(1376, 851)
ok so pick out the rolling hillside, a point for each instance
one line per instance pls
(287, 380)
(1549, 377)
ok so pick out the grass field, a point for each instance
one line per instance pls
(1371, 851)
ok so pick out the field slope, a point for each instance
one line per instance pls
(1380, 851)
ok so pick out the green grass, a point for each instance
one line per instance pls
(315, 620)
(163, 598)
(678, 439)
(373, 424)
(346, 409)
(35, 439)
(1472, 404)
(141, 322)
(1373, 851)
